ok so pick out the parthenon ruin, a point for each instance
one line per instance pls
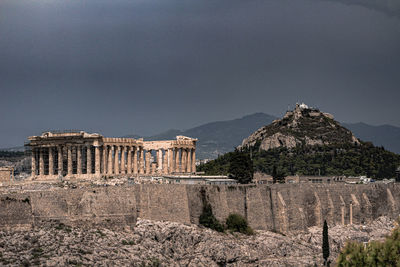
(84, 155)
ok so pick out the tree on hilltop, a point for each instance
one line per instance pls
(241, 167)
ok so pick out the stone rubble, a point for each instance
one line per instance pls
(154, 243)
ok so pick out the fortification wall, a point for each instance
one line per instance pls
(277, 207)
(112, 207)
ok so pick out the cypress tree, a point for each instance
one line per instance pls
(325, 243)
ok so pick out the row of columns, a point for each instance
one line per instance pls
(111, 160)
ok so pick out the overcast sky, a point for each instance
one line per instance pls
(141, 67)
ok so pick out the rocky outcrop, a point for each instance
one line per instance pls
(302, 126)
(155, 243)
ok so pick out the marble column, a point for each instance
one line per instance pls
(116, 160)
(159, 160)
(141, 160)
(170, 161)
(60, 160)
(148, 156)
(135, 160)
(41, 162)
(129, 160)
(33, 166)
(193, 160)
(110, 162)
(89, 160)
(79, 160)
(123, 160)
(51, 161)
(189, 161)
(184, 158)
(69, 156)
(104, 165)
(177, 161)
(165, 162)
(97, 160)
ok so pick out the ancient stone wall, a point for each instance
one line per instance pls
(277, 207)
(114, 207)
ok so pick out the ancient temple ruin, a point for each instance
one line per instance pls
(84, 155)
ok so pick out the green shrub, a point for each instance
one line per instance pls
(238, 223)
(208, 219)
(374, 253)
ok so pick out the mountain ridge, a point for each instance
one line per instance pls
(210, 147)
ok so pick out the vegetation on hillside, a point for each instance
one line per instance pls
(11, 154)
(335, 159)
(374, 253)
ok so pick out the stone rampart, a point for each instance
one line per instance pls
(114, 207)
(277, 207)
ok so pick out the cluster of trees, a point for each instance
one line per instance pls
(340, 159)
(237, 164)
(234, 222)
(11, 154)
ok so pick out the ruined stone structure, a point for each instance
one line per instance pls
(84, 155)
(6, 174)
(279, 207)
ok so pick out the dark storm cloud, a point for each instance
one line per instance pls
(389, 7)
(122, 67)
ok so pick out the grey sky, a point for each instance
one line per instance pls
(141, 67)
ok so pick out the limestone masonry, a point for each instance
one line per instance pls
(84, 155)
(280, 208)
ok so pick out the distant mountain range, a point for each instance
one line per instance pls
(220, 137)
(217, 138)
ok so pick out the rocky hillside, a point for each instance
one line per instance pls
(302, 126)
(153, 243)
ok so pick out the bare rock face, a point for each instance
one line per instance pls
(302, 126)
(153, 243)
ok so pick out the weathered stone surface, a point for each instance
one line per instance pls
(103, 156)
(175, 244)
(284, 208)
